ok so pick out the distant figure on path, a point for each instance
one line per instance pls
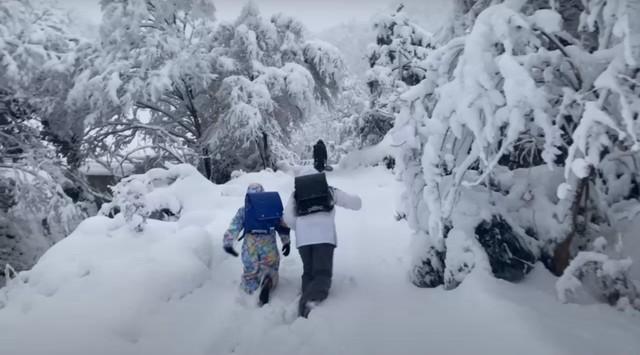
(320, 156)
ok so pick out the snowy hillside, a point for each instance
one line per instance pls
(495, 145)
(171, 290)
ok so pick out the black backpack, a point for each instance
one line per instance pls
(312, 194)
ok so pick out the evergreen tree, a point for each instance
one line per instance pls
(395, 62)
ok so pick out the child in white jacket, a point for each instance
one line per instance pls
(316, 239)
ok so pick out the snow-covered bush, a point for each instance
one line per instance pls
(35, 214)
(516, 121)
(157, 194)
(459, 132)
(596, 275)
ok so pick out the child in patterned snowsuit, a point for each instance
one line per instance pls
(260, 256)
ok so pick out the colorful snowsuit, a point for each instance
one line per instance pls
(260, 254)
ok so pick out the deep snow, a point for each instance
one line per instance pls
(171, 290)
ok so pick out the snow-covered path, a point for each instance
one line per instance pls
(373, 308)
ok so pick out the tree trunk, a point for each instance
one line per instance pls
(74, 154)
(265, 146)
(263, 150)
(562, 253)
(633, 36)
(206, 164)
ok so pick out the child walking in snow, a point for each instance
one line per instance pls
(259, 219)
(310, 212)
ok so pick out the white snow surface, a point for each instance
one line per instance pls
(548, 20)
(172, 290)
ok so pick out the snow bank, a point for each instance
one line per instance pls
(106, 280)
(548, 20)
(171, 290)
(177, 190)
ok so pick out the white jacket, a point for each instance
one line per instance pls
(319, 227)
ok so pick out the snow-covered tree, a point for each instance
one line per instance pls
(512, 106)
(395, 65)
(281, 80)
(338, 126)
(352, 39)
(35, 209)
(600, 166)
(150, 77)
(599, 274)
(37, 60)
(395, 57)
(226, 93)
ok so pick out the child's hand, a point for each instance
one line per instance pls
(229, 250)
(286, 248)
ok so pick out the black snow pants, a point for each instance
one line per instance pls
(317, 261)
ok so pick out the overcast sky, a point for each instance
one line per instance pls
(317, 15)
